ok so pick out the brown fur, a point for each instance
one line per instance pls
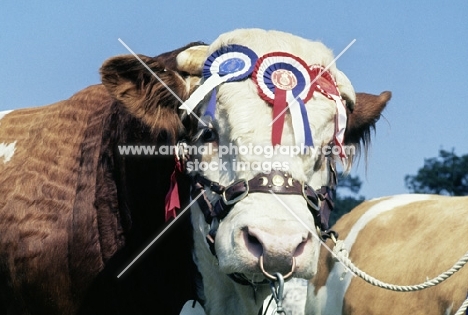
(40, 209)
(362, 117)
(416, 241)
(326, 262)
(128, 81)
(65, 210)
(404, 246)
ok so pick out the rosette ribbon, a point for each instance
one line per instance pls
(227, 64)
(284, 81)
(172, 200)
(328, 87)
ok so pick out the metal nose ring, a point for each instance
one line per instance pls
(272, 277)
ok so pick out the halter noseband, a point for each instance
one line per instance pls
(319, 202)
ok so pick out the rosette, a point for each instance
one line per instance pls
(328, 87)
(227, 64)
(284, 81)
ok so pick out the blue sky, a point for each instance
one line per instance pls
(417, 50)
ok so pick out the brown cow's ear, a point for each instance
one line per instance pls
(151, 96)
(126, 78)
(151, 89)
(362, 117)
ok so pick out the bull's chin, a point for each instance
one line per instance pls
(253, 278)
(253, 273)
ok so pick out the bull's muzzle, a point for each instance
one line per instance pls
(276, 250)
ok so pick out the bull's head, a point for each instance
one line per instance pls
(265, 215)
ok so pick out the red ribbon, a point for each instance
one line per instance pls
(279, 111)
(172, 201)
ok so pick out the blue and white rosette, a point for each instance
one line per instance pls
(227, 64)
(284, 81)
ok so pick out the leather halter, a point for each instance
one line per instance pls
(319, 202)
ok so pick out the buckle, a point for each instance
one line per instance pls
(181, 152)
(234, 189)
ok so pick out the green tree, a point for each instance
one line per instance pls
(347, 196)
(446, 174)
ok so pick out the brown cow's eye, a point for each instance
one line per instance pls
(209, 135)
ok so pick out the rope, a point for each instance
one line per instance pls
(462, 309)
(341, 254)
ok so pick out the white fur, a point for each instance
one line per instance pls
(329, 298)
(294, 298)
(448, 311)
(243, 118)
(5, 112)
(7, 151)
(190, 309)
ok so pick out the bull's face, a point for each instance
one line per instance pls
(249, 134)
(279, 229)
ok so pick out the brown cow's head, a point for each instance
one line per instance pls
(279, 228)
(153, 88)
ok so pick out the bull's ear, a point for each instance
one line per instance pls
(363, 115)
(151, 88)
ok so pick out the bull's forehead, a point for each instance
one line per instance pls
(263, 42)
(245, 119)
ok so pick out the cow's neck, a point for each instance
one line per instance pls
(234, 298)
(139, 185)
(142, 181)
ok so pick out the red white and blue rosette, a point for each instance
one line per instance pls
(227, 64)
(327, 86)
(284, 81)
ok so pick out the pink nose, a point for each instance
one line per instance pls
(278, 247)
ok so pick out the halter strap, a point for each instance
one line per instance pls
(320, 202)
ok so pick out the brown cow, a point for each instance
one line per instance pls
(69, 202)
(402, 240)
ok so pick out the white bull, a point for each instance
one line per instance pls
(75, 208)
(263, 229)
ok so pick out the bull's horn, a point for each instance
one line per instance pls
(192, 59)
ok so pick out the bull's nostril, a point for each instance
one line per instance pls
(300, 249)
(252, 243)
(252, 239)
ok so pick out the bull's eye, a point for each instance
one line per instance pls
(209, 135)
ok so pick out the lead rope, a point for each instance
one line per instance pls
(341, 254)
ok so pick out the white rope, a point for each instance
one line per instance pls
(462, 309)
(341, 254)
